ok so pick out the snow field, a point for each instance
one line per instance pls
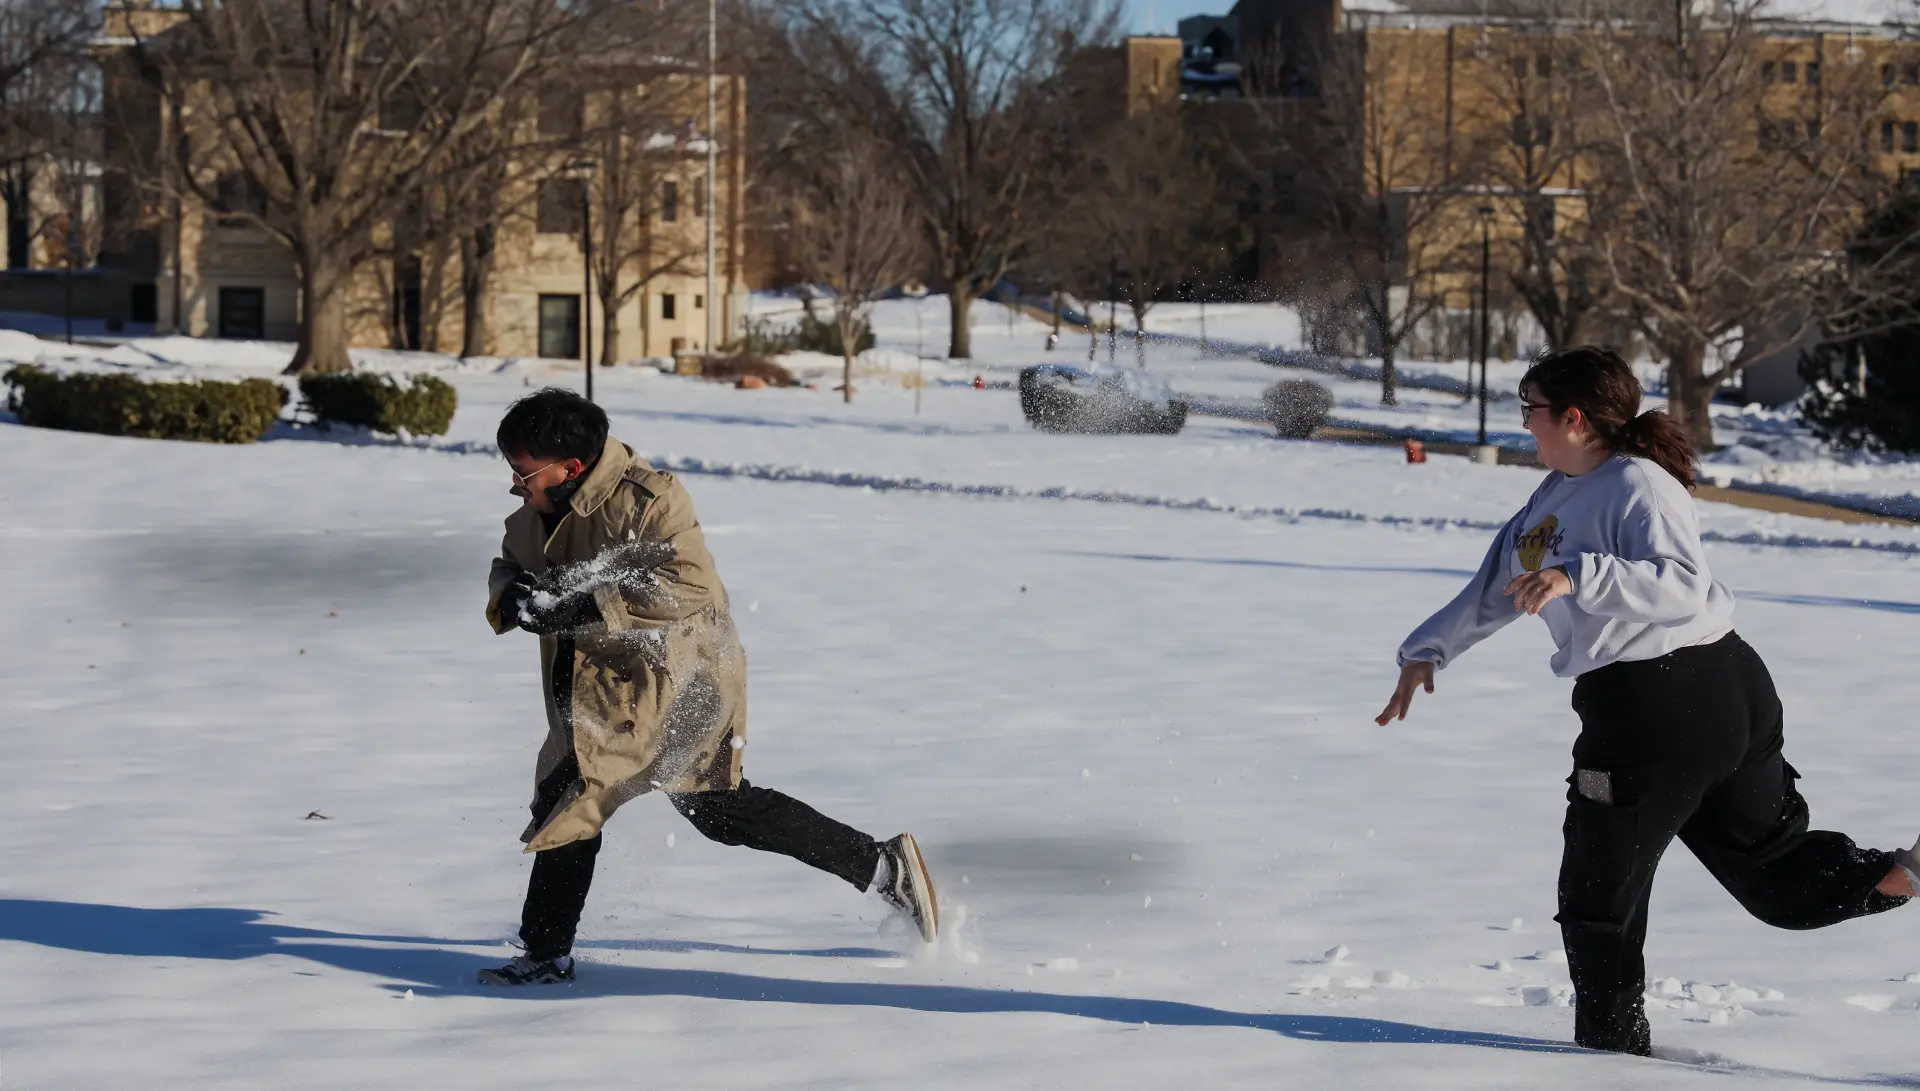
(1135, 742)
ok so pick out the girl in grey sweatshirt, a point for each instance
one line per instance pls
(1680, 727)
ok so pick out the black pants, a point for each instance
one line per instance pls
(1687, 744)
(758, 818)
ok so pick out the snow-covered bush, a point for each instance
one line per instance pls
(1059, 398)
(124, 405)
(1298, 407)
(368, 399)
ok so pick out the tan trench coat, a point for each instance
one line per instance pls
(660, 687)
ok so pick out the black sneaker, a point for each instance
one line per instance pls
(909, 888)
(527, 970)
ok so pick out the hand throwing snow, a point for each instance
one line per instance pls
(1414, 674)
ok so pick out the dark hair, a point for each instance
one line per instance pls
(1598, 383)
(553, 423)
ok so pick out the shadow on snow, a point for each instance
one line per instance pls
(232, 934)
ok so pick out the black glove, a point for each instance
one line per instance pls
(513, 598)
(561, 613)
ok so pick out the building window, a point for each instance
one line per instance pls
(1886, 136)
(1543, 66)
(1769, 137)
(560, 113)
(1813, 73)
(1789, 72)
(401, 112)
(560, 327)
(237, 198)
(1532, 132)
(699, 198)
(1910, 74)
(666, 305)
(558, 210)
(670, 202)
(699, 302)
(1886, 75)
(1520, 68)
(1813, 132)
(1909, 137)
(243, 314)
(1766, 71)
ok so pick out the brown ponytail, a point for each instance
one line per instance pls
(1599, 383)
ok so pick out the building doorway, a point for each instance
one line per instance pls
(560, 327)
(243, 314)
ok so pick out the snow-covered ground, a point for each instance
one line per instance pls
(1120, 687)
(1764, 449)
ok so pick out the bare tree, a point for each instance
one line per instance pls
(854, 228)
(639, 192)
(336, 116)
(1378, 189)
(48, 100)
(959, 91)
(1724, 207)
(1155, 203)
(1523, 137)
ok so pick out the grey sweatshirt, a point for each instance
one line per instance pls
(1628, 536)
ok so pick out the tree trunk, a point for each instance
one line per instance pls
(959, 311)
(609, 329)
(476, 269)
(1389, 387)
(1689, 395)
(323, 325)
(1139, 333)
(847, 319)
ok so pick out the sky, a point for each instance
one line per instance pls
(1149, 16)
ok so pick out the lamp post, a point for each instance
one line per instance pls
(712, 166)
(1484, 453)
(73, 239)
(583, 171)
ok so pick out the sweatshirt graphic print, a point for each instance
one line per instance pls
(1628, 537)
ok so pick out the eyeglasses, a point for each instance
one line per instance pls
(1527, 409)
(520, 480)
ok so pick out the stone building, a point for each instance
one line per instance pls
(211, 271)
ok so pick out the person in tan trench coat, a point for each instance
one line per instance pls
(644, 679)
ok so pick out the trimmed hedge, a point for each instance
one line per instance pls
(124, 405)
(423, 407)
(1298, 407)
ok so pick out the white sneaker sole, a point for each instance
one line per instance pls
(926, 903)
